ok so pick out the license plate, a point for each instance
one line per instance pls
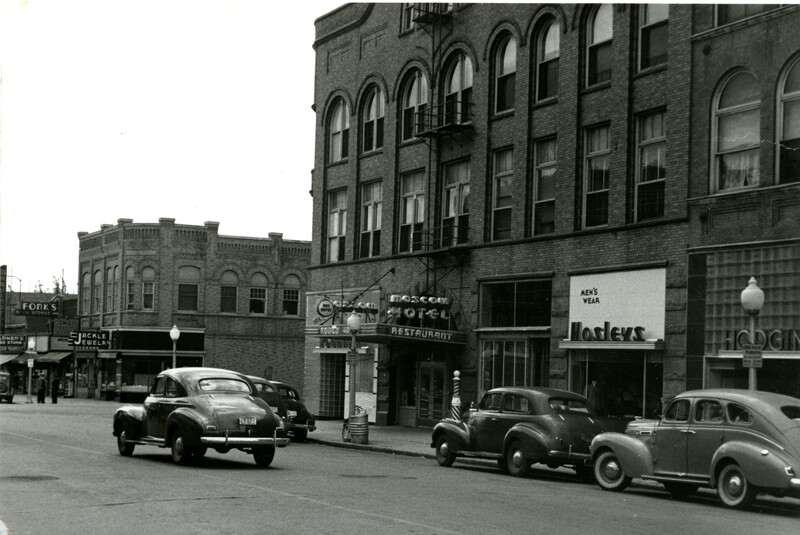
(247, 420)
(291, 414)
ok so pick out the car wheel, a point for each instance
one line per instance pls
(299, 435)
(264, 456)
(733, 488)
(585, 473)
(608, 472)
(680, 490)
(444, 456)
(181, 453)
(125, 448)
(516, 462)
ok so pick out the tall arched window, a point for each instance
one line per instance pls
(86, 290)
(505, 74)
(148, 288)
(291, 295)
(458, 93)
(189, 288)
(228, 292)
(737, 125)
(415, 104)
(372, 116)
(130, 288)
(598, 53)
(789, 125)
(548, 50)
(98, 292)
(339, 131)
(258, 293)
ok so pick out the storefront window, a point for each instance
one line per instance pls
(513, 362)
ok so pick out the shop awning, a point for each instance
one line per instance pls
(53, 356)
(382, 333)
(7, 358)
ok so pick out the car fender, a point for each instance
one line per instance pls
(634, 456)
(130, 417)
(458, 434)
(189, 422)
(533, 440)
(763, 467)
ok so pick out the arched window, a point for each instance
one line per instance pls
(339, 128)
(548, 50)
(505, 66)
(291, 295)
(148, 288)
(789, 125)
(737, 126)
(415, 104)
(130, 288)
(372, 133)
(458, 92)
(598, 53)
(228, 291)
(258, 293)
(98, 291)
(86, 289)
(189, 288)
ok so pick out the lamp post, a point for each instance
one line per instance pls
(31, 352)
(752, 301)
(354, 325)
(174, 333)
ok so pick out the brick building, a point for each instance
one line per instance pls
(521, 192)
(238, 302)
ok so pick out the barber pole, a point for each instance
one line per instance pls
(456, 402)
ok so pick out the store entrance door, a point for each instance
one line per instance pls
(432, 394)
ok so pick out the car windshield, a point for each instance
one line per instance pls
(223, 385)
(792, 411)
(568, 405)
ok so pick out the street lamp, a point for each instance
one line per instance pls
(31, 352)
(174, 333)
(354, 325)
(20, 288)
(752, 301)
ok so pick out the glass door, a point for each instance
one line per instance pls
(432, 393)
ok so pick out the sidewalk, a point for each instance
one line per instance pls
(413, 441)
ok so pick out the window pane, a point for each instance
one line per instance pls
(602, 29)
(740, 130)
(791, 119)
(739, 170)
(599, 63)
(654, 45)
(655, 13)
(653, 162)
(227, 299)
(793, 79)
(741, 89)
(546, 188)
(650, 200)
(187, 296)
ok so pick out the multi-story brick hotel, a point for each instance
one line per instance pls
(552, 194)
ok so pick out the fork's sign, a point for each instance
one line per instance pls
(38, 309)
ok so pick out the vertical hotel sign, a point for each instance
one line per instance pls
(622, 306)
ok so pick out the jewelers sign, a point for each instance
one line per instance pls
(622, 306)
(98, 339)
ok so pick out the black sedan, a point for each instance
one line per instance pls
(520, 426)
(286, 401)
(192, 409)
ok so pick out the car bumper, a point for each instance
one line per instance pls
(245, 442)
(294, 427)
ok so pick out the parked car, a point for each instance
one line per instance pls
(520, 426)
(7, 387)
(741, 442)
(286, 401)
(192, 409)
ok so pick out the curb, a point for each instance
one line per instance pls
(368, 447)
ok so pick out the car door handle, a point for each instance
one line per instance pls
(688, 432)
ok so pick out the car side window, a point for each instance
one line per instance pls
(492, 402)
(172, 388)
(678, 411)
(158, 386)
(513, 403)
(708, 411)
(267, 388)
(738, 414)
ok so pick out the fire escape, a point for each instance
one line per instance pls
(445, 246)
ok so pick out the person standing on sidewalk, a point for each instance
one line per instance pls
(42, 391)
(54, 388)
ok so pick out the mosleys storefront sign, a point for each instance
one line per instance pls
(620, 309)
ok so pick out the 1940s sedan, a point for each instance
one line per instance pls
(286, 401)
(741, 442)
(192, 409)
(520, 426)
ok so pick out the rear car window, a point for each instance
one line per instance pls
(223, 385)
(738, 414)
(568, 405)
(516, 404)
(791, 411)
(287, 392)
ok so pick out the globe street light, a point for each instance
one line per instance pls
(31, 352)
(752, 301)
(174, 333)
(354, 325)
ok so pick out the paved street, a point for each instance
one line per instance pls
(60, 473)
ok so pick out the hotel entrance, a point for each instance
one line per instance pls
(432, 393)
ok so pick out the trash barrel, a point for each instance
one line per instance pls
(359, 428)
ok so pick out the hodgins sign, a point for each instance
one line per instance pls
(620, 306)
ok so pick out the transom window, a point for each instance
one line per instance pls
(371, 214)
(502, 194)
(789, 128)
(653, 30)
(515, 304)
(372, 133)
(415, 105)
(458, 93)
(455, 212)
(596, 180)
(505, 74)
(547, 54)
(737, 128)
(339, 131)
(599, 51)
(412, 215)
(651, 169)
(544, 188)
(337, 225)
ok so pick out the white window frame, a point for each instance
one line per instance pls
(542, 166)
(415, 106)
(412, 211)
(646, 30)
(371, 215)
(339, 128)
(590, 156)
(458, 90)
(372, 122)
(337, 225)
(793, 99)
(506, 202)
(642, 146)
(505, 71)
(592, 43)
(455, 202)
(545, 57)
